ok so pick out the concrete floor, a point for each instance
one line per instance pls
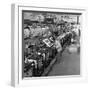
(68, 64)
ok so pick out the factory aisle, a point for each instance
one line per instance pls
(68, 64)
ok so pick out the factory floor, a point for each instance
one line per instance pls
(68, 64)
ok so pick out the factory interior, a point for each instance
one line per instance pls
(51, 43)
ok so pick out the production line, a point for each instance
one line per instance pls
(43, 40)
